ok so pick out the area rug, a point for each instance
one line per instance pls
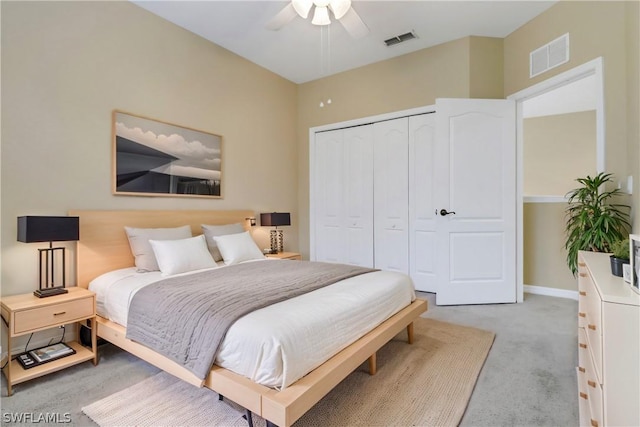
(428, 383)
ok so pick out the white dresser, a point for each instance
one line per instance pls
(608, 345)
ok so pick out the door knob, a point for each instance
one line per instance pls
(444, 212)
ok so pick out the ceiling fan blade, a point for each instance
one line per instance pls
(282, 18)
(354, 24)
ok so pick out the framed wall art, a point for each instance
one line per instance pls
(154, 158)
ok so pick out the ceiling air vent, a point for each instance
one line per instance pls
(401, 38)
(549, 56)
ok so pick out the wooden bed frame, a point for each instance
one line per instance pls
(103, 247)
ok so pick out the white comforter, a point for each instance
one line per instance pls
(277, 345)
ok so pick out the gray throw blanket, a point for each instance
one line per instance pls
(186, 318)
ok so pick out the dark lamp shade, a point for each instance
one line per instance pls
(275, 219)
(33, 229)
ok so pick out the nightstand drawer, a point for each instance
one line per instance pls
(51, 315)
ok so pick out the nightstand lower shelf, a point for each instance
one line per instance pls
(82, 354)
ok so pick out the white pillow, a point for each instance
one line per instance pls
(210, 231)
(181, 256)
(141, 248)
(236, 248)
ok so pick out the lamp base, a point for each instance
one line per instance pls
(49, 292)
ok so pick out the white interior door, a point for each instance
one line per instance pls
(476, 184)
(422, 218)
(391, 195)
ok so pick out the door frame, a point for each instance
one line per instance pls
(593, 67)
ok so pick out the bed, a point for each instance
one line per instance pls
(103, 248)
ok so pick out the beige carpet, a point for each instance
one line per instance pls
(428, 383)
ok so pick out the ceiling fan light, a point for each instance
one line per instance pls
(302, 7)
(321, 16)
(339, 7)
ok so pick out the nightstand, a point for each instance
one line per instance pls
(286, 255)
(24, 314)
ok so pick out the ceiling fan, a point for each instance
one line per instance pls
(341, 10)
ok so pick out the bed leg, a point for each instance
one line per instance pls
(270, 424)
(220, 397)
(410, 333)
(249, 418)
(373, 366)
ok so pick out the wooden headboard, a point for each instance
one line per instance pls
(103, 244)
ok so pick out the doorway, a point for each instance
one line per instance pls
(556, 109)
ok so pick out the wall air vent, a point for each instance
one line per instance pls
(549, 56)
(401, 38)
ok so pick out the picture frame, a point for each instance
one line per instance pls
(156, 158)
(634, 261)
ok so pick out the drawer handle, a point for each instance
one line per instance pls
(584, 396)
(591, 383)
(582, 264)
(60, 314)
(583, 345)
(583, 293)
(581, 369)
(582, 314)
(594, 423)
(592, 327)
(583, 274)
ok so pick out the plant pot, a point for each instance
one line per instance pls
(616, 265)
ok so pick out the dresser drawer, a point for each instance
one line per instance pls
(589, 389)
(52, 315)
(584, 408)
(590, 305)
(583, 275)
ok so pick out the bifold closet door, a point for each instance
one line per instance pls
(391, 195)
(343, 196)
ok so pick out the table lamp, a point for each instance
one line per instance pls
(32, 229)
(275, 219)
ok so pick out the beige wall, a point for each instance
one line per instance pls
(543, 241)
(486, 64)
(633, 100)
(558, 149)
(405, 82)
(596, 28)
(67, 65)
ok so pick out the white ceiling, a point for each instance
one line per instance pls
(294, 52)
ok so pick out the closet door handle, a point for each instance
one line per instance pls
(444, 212)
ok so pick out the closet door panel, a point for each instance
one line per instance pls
(358, 195)
(422, 205)
(391, 195)
(329, 207)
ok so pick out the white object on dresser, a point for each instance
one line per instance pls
(608, 345)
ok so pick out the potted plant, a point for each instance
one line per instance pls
(620, 256)
(594, 220)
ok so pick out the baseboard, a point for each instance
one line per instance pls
(551, 292)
